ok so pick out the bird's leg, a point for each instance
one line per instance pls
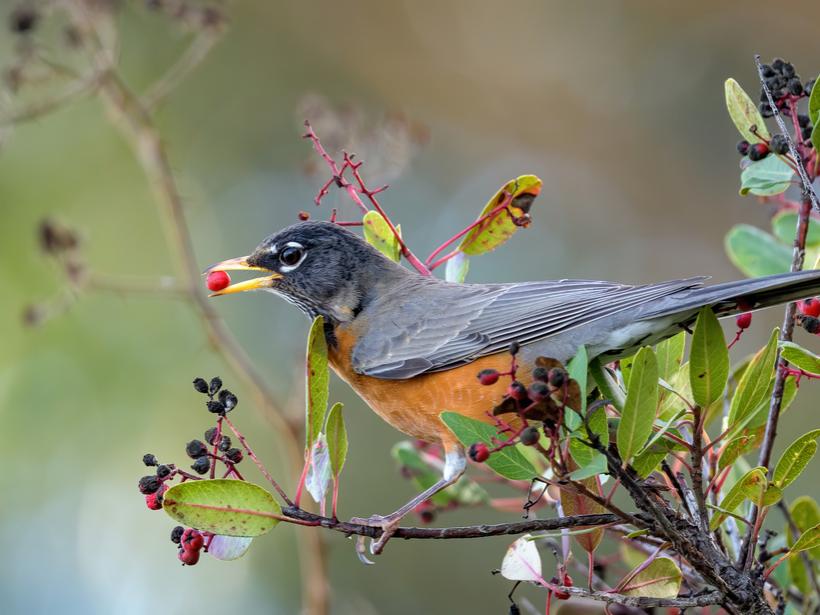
(455, 462)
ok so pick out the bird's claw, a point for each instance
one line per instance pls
(388, 525)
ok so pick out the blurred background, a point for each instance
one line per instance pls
(617, 106)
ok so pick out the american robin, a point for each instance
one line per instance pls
(411, 345)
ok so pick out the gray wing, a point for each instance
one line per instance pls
(456, 324)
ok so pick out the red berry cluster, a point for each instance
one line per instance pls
(190, 543)
(809, 315)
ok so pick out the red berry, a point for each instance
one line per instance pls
(517, 391)
(218, 280)
(561, 594)
(810, 306)
(488, 376)
(743, 320)
(426, 511)
(567, 580)
(304, 216)
(479, 452)
(192, 540)
(154, 500)
(189, 558)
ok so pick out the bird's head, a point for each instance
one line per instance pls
(321, 267)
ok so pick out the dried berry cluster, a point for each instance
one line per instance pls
(153, 486)
(787, 90)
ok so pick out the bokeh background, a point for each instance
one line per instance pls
(617, 106)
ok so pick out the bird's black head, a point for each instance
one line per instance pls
(321, 267)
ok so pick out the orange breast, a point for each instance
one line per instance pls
(413, 406)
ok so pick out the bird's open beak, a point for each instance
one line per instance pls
(241, 264)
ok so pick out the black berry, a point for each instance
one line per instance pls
(217, 407)
(149, 459)
(758, 151)
(541, 374)
(807, 88)
(514, 610)
(149, 484)
(216, 384)
(234, 455)
(810, 324)
(196, 448)
(538, 391)
(529, 436)
(176, 534)
(200, 385)
(224, 443)
(806, 133)
(163, 471)
(201, 465)
(514, 348)
(557, 377)
(767, 71)
(779, 144)
(787, 70)
(227, 399)
(803, 120)
(743, 147)
(795, 87)
(766, 110)
(210, 435)
(777, 64)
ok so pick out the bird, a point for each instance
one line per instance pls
(412, 345)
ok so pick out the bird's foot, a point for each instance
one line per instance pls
(388, 525)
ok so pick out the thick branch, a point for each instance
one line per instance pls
(706, 599)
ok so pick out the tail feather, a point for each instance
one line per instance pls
(742, 295)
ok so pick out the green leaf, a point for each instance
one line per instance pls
(795, 459)
(508, 462)
(609, 387)
(800, 357)
(810, 539)
(498, 228)
(336, 439)
(815, 134)
(744, 113)
(317, 380)
(664, 428)
(222, 506)
(660, 579)
(814, 106)
(670, 355)
(456, 268)
(805, 513)
(772, 495)
(751, 485)
(785, 223)
(755, 252)
(670, 403)
(754, 385)
(590, 462)
(708, 359)
(648, 459)
(640, 405)
(577, 369)
(766, 177)
(378, 234)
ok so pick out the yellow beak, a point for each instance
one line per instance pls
(241, 264)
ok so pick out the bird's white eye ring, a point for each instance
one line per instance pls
(291, 256)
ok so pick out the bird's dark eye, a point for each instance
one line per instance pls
(291, 255)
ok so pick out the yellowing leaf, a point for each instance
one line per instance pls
(708, 359)
(751, 485)
(795, 459)
(660, 579)
(222, 506)
(499, 227)
(575, 504)
(744, 113)
(378, 234)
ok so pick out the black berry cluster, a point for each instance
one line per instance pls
(787, 89)
(220, 401)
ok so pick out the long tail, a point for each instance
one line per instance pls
(743, 295)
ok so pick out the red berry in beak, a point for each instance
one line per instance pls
(189, 558)
(218, 280)
(743, 320)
